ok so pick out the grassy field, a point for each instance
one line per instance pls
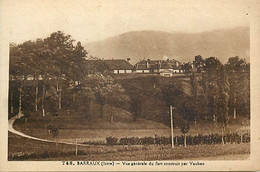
(20, 148)
(84, 129)
(93, 127)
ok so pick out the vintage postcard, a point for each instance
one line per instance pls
(129, 85)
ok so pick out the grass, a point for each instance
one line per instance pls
(122, 120)
(92, 127)
(85, 130)
(20, 148)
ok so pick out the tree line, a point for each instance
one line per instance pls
(52, 74)
(219, 92)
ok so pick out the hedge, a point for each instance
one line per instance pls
(199, 139)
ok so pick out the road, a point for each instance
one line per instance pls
(12, 130)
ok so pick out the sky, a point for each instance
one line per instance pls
(88, 21)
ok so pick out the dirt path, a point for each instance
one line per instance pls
(12, 130)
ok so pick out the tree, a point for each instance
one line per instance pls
(199, 63)
(65, 60)
(51, 98)
(172, 94)
(213, 68)
(223, 98)
(186, 67)
(238, 75)
(54, 59)
(194, 91)
(104, 90)
(236, 64)
(116, 97)
(54, 130)
(184, 128)
(20, 62)
(101, 97)
(212, 65)
(135, 106)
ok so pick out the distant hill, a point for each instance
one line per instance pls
(138, 45)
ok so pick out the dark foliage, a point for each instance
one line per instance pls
(199, 139)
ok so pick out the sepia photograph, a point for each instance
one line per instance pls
(128, 83)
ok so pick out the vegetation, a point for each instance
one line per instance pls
(67, 95)
(26, 149)
(52, 75)
(62, 80)
(180, 140)
(207, 95)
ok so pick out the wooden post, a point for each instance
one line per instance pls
(241, 137)
(20, 103)
(91, 106)
(12, 105)
(43, 95)
(76, 148)
(185, 141)
(171, 125)
(36, 98)
(60, 98)
(112, 118)
(235, 111)
(222, 137)
(210, 136)
(73, 96)
(57, 86)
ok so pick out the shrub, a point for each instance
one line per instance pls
(54, 130)
(111, 140)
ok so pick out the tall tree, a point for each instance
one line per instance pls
(184, 128)
(199, 63)
(105, 90)
(223, 98)
(213, 68)
(238, 75)
(194, 91)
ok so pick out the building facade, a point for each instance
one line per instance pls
(158, 66)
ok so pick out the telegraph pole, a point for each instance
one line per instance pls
(172, 125)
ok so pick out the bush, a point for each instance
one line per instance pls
(54, 130)
(111, 140)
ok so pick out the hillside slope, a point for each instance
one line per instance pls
(137, 45)
(151, 104)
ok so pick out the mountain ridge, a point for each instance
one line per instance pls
(149, 44)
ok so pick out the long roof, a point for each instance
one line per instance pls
(118, 64)
(157, 64)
